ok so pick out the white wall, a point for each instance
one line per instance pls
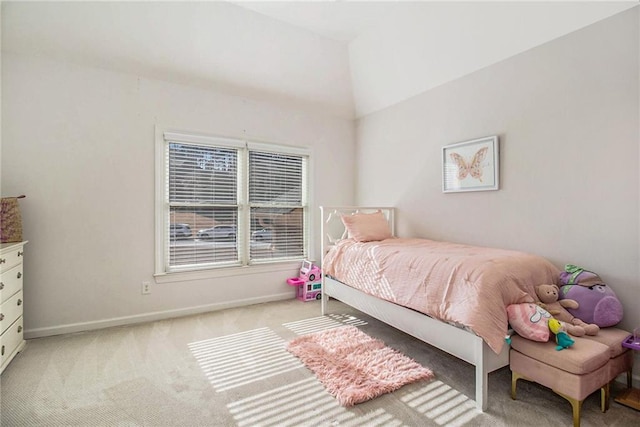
(79, 142)
(567, 116)
(84, 84)
(212, 44)
(421, 45)
(396, 49)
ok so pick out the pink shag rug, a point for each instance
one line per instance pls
(354, 367)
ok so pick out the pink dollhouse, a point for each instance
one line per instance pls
(309, 282)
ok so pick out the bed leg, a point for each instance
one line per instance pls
(323, 302)
(482, 378)
(481, 389)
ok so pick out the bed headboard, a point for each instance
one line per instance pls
(333, 230)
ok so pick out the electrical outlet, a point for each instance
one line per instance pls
(146, 288)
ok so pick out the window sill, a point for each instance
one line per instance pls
(183, 276)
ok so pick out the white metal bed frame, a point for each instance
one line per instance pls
(456, 341)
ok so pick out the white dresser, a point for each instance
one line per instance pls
(11, 324)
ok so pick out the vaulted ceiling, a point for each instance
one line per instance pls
(342, 58)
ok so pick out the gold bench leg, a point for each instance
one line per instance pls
(576, 405)
(514, 379)
(605, 396)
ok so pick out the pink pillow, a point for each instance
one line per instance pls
(529, 321)
(364, 227)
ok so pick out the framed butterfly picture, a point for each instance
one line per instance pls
(471, 165)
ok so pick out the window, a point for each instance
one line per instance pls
(228, 202)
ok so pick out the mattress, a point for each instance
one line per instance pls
(457, 283)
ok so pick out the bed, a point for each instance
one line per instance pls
(451, 296)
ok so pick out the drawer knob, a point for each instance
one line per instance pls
(1, 317)
(20, 253)
(2, 260)
(19, 301)
(2, 350)
(19, 275)
(19, 328)
(1, 286)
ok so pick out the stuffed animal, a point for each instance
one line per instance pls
(548, 296)
(574, 275)
(597, 302)
(563, 340)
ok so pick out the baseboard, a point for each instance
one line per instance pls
(147, 317)
(635, 379)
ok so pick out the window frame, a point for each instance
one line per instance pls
(245, 265)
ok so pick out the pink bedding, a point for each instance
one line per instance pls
(467, 285)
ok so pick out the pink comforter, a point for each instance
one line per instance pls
(467, 285)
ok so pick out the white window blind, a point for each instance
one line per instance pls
(228, 204)
(276, 199)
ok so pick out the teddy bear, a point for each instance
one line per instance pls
(549, 300)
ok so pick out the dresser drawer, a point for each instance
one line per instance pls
(10, 282)
(11, 320)
(10, 310)
(11, 256)
(10, 342)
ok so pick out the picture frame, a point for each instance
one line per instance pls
(471, 165)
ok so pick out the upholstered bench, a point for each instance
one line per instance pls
(620, 358)
(573, 373)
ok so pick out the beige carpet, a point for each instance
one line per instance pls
(231, 368)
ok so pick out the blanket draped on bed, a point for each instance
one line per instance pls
(463, 284)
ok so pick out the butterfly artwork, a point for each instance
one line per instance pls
(473, 167)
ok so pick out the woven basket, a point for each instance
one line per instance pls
(10, 220)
